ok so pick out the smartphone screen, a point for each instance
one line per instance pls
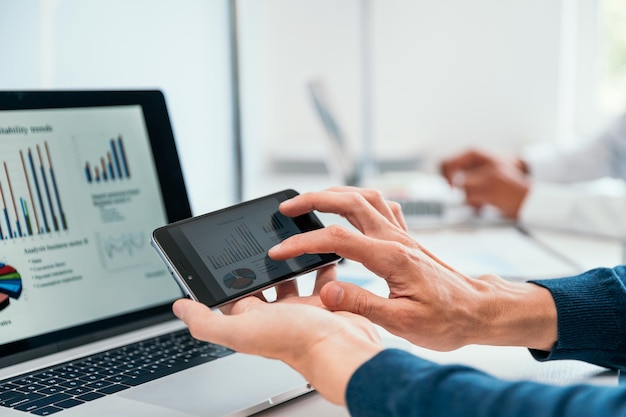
(222, 256)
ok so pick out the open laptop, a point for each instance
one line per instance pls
(86, 327)
(426, 199)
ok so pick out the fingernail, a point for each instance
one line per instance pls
(282, 205)
(275, 248)
(334, 295)
(178, 310)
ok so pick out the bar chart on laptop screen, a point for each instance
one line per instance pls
(111, 165)
(115, 194)
(79, 195)
(30, 199)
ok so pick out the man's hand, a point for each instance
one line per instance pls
(429, 303)
(325, 347)
(489, 180)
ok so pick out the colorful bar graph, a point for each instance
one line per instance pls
(112, 166)
(23, 214)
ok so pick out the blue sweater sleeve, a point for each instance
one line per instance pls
(591, 310)
(397, 383)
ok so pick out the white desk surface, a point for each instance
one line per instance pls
(512, 363)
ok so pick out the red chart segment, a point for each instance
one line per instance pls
(4, 301)
(10, 284)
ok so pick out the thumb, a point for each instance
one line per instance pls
(344, 296)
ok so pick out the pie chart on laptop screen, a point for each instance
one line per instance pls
(10, 285)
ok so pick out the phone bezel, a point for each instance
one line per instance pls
(192, 281)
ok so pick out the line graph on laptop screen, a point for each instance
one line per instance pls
(78, 196)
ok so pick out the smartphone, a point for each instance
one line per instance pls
(222, 256)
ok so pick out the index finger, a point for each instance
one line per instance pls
(380, 256)
(377, 201)
(375, 254)
(351, 205)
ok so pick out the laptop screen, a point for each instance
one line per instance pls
(84, 179)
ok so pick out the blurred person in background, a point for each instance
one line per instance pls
(580, 187)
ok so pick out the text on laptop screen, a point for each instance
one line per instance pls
(79, 196)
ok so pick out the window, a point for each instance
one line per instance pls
(611, 93)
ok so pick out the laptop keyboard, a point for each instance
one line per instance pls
(422, 208)
(48, 391)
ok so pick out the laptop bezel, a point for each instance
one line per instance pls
(173, 194)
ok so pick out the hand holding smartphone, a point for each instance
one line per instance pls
(222, 256)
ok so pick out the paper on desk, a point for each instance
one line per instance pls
(503, 251)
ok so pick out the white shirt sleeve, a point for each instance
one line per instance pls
(603, 156)
(580, 188)
(596, 207)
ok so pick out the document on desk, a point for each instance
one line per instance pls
(506, 251)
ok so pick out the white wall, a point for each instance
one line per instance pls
(282, 45)
(455, 73)
(179, 47)
(445, 74)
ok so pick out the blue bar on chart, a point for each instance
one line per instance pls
(18, 229)
(110, 167)
(55, 219)
(44, 228)
(56, 189)
(23, 214)
(24, 205)
(120, 145)
(30, 191)
(6, 214)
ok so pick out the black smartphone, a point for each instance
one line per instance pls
(221, 256)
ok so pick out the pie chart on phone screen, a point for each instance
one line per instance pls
(239, 278)
(10, 285)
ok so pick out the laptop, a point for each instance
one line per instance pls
(86, 327)
(426, 199)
